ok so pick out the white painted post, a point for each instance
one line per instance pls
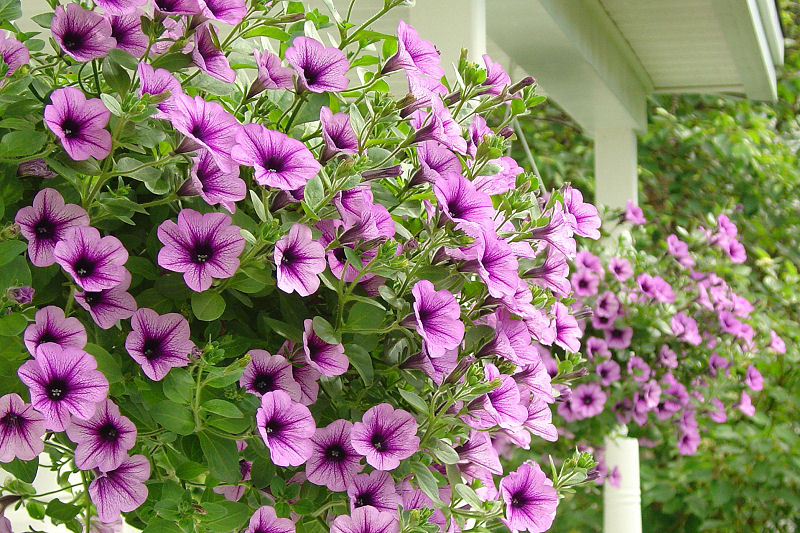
(452, 25)
(615, 166)
(622, 512)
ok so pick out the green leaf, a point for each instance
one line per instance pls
(10, 9)
(116, 77)
(12, 324)
(22, 470)
(162, 526)
(174, 417)
(44, 20)
(208, 305)
(325, 331)
(445, 453)
(284, 330)
(427, 482)
(222, 456)
(268, 31)
(258, 206)
(362, 361)
(363, 317)
(469, 496)
(190, 470)
(313, 193)
(353, 257)
(223, 408)
(414, 400)
(10, 249)
(112, 104)
(21, 143)
(172, 61)
(123, 58)
(179, 386)
(106, 363)
(236, 515)
(62, 511)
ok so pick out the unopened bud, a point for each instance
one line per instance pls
(521, 84)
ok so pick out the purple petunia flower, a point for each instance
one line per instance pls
(63, 381)
(50, 325)
(279, 160)
(596, 348)
(754, 379)
(461, 203)
(638, 369)
(319, 68)
(385, 436)
(228, 11)
(271, 73)
(21, 430)
(265, 520)
(585, 282)
(494, 261)
(333, 462)
(607, 305)
(82, 34)
(745, 405)
(376, 489)
(414, 53)
(568, 333)
(496, 77)
(688, 441)
(298, 261)
(103, 440)
(202, 246)
(478, 452)
(13, 53)
(438, 318)
(502, 182)
(213, 184)
(553, 273)
(286, 427)
(719, 416)
(79, 123)
(435, 161)
(156, 82)
(121, 489)
(266, 373)
(621, 268)
(158, 342)
(206, 125)
(412, 498)
(108, 306)
(210, 59)
(588, 400)
(501, 406)
(530, 499)
(685, 328)
(608, 371)
(618, 338)
(127, 31)
(94, 262)
(120, 7)
(583, 217)
(366, 520)
(177, 7)
(633, 213)
(329, 359)
(776, 343)
(337, 133)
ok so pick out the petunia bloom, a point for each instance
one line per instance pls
(414, 53)
(435, 161)
(494, 261)
(102, 441)
(79, 123)
(633, 213)
(82, 34)
(21, 295)
(202, 246)
(119, 7)
(754, 379)
(207, 125)
(329, 359)
(553, 273)
(228, 11)
(337, 133)
(286, 428)
(298, 261)
(279, 160)
(271, 73)
(621, 268)
(210, 59)
(121, 489)
(319, 68)
(157, 81)
(108, 306)
(333, 462)
(63, 381)
(50, 325)
(568, 333)
(530, 499)
(438, 318)
(461, 203)
(496, 78)
(21, 430)
(127, 31)
(385, 436)
(214, 185)
(366, 520)
(158, 342)
(13, 53)
(265, 520)
(376, 489)
(588, 400)
(583, 217)
(94, 262)
(177, 7)
(266, 373)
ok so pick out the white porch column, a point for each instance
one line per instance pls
(622, 507)
(615, 166)
(452, 25)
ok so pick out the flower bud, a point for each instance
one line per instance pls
(521, 84)
(21, 295)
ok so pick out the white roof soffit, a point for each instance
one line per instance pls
(578, 56)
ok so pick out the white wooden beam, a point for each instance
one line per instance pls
(622, 512)
(452, 25)
(615, 167)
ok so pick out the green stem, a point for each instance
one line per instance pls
(347, 40)
(88, 504)
(299, 101)
(165, 200)
(61, 489)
